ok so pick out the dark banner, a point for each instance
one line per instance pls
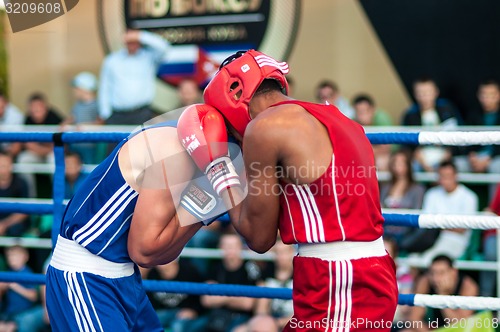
(456, 42)
(204, 32)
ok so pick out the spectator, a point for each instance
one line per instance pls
(178, 312)
(84, 111)
(9, 113)
(449, 197)
(19, 298)
(73, 175)
(11, 186)
(401, 192)
(430, 111)
(127, 86)
(262, 323)
(189, 92)
(35, 319)
(404, 276)
(483, 159)
(39, 113)
(206, 237)
(367, 114)
(487, 279)
(9, 116)
(442, 279)
(228, 312)
(281, 310)
(327, 92)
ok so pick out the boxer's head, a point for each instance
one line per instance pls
(234, 85)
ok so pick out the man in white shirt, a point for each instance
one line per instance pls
(10, 115)
(449, 197)
(127, 79)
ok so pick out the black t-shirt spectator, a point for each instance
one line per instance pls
(163, 300)
(52, 118)
(17, 188)
(247, 274)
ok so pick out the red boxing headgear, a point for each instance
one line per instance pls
(234, 85)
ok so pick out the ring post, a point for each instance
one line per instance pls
(58, 185)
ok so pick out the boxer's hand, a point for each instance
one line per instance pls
(203, 134)
(201, 201)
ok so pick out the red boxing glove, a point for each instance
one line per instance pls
(202, 132)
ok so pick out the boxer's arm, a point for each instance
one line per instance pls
(258, 219)
(156, 235)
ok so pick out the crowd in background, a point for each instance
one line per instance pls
(123, 95)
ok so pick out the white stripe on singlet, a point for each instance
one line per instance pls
(336, 198)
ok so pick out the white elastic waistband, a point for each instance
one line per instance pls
(338, 251)
(72, 257)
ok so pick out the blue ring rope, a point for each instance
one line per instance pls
(77, 137)
(191, 288)
(394, 219)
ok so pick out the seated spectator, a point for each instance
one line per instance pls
(442, 279)
(327, 92)
(39, 113)
(430, 111)
(11, 186)
(178, 312)
(366, 113)
(483, 159)
(206, 237)
(262, 323)
(281, 310)
(10, 115)
(189, 92)
(404, 277)
(35, 319)
(84, 111)
(487, 279)
(73, 175)
(449, 197)
(401, 192)
(17, 298)
(227, 312)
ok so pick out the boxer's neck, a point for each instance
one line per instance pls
(260, 103)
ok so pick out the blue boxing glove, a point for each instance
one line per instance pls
(201, 201)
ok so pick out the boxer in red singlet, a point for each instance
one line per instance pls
(311, 175)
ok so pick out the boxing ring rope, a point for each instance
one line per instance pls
(193, 288)
(439, 221)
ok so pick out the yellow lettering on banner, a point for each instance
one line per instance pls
(199, 7)
(160, 8)
(137, 8)
(226, 33)
(254, 5)
(181, 7)
(148, 8)
(184, 35)
(237, 6)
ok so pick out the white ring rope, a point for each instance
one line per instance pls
(456, 138)
(458, 221)
(457, 302)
